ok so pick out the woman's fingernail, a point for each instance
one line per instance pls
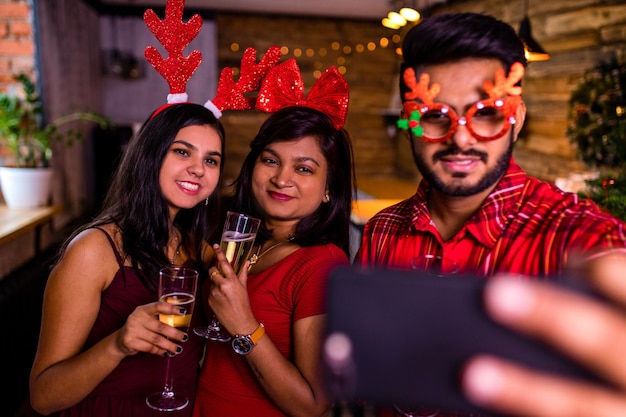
(483, 380)
(509, 299)
(185, 337)
(179, 349)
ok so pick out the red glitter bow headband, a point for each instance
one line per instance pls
(283, 87)
(177, 69)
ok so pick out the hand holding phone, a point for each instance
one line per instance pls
(403, 337)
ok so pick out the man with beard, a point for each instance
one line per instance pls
(475, 208)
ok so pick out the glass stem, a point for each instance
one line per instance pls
(168, 389)
(215, 325)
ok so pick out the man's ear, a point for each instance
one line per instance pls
(520, 117)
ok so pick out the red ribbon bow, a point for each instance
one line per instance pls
(283, 87)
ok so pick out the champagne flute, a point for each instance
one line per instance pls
(177, 285)
(237, 241)
(416, 411)
(435, 265)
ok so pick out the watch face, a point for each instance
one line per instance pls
(242, 345)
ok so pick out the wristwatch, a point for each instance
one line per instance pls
(244, 344)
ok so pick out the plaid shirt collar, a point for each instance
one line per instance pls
(488, 223)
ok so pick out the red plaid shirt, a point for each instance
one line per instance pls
(524, 226)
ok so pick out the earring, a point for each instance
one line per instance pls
(206, 202)
(327, 198)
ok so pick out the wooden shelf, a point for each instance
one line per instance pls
(15, 222)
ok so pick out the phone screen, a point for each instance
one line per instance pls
(402, 337)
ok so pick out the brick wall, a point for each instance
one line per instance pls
(351, 45)
(17, 46)
(577, 34)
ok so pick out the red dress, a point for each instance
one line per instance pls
(123, 392)
(292, 289)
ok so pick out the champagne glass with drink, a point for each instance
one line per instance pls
(237, 241)
(177, 285)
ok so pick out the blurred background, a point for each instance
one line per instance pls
(88, 54)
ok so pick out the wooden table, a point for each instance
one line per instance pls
(15, 222)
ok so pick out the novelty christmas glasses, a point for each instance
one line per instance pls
(486, 120)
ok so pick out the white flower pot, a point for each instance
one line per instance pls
(26, 187)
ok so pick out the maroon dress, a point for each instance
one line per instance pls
(123, 392)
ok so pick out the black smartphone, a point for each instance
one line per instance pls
(402, 337)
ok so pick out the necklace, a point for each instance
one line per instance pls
(256, 256)
(177, 252)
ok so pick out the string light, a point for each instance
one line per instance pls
(342, 49)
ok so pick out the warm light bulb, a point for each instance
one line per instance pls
(410, 14)
(396, 18)
(389, 24)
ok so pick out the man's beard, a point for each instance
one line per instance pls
(490, 179)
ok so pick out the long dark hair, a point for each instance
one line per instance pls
(449, 37)
(331, 221)
(135, 203)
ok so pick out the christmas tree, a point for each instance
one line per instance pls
(597, 127)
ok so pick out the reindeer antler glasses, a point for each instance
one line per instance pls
(486, 120)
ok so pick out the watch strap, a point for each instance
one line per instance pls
(257, 334)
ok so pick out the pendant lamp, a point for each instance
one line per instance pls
(534, 51)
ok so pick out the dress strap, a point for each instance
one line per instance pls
(118, 256)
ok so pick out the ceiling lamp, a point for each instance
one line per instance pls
(410, 14)
(396, 20)
(389, 24)
(532, 49)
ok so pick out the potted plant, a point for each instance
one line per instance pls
(29, 143)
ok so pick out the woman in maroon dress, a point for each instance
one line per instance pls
(101, 345)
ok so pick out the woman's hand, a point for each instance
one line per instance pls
(143, 332)
(589, 331)
(228, 297)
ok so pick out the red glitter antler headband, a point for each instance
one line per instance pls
(231, 94)
(283, 87)
(175, 35)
